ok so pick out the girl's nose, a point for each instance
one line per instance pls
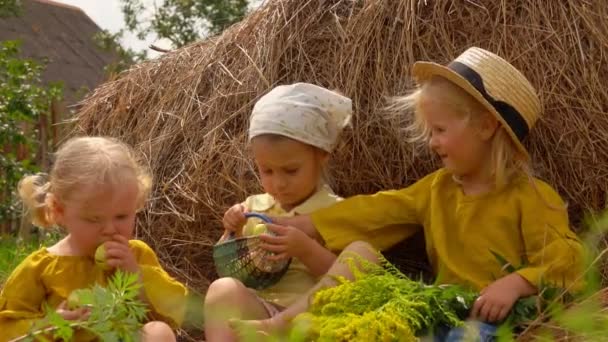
(109, 229)
(280, 183)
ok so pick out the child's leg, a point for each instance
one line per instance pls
(226, 299)
(157, 331)
(339, 268)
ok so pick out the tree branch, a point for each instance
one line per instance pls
(159, 49)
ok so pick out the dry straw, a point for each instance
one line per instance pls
(187, 111)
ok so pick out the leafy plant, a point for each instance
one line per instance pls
(116, 313)
(382, 304)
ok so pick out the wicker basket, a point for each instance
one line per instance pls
(244, 259)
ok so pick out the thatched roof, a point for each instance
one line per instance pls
(188, 111)
(61, 35)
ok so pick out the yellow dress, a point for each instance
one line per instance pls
(297, 280)
(526, 224)
(46, 278)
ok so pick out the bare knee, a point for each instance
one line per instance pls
(363, 249)
(157, 331)
(224, 291)
(226, 299)
(359, 246)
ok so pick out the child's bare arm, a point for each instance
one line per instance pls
(318, 259)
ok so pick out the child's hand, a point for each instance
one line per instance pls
(234, 219)
(302, 222)
(78, 314)
(288, 241)
(120, 255)
(496, 300)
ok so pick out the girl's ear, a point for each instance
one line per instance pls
(56, 208)
(141, 202)
(488, 125)
(323, 156)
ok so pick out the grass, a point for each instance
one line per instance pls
(13, 251)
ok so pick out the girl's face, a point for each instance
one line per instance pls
(95, 215)
(289, 170)
(463, 144)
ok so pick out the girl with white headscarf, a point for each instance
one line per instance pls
(292, 131)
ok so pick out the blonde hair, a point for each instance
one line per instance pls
(80, 162)
(506, 160)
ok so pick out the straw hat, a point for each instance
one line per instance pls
(496, 84)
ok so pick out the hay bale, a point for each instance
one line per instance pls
(188, 110)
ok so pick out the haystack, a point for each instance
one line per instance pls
(187, 111)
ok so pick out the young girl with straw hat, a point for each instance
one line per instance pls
(293, 129)
(474, 114)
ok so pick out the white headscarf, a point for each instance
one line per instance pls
(304, 112)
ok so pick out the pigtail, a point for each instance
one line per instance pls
(33, 192)
(144, 180)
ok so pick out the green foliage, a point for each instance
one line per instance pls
(587, 317)
(182, 21)
(384, 305)
(125, 57)
(22, 101)
(116, 313)
(13, 251)
(9, 8)
(393, 310)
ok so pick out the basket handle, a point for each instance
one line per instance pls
(262, 217)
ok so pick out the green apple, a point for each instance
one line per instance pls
(259, 229)
(73, 300)
(100, 258)
(79, 298)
